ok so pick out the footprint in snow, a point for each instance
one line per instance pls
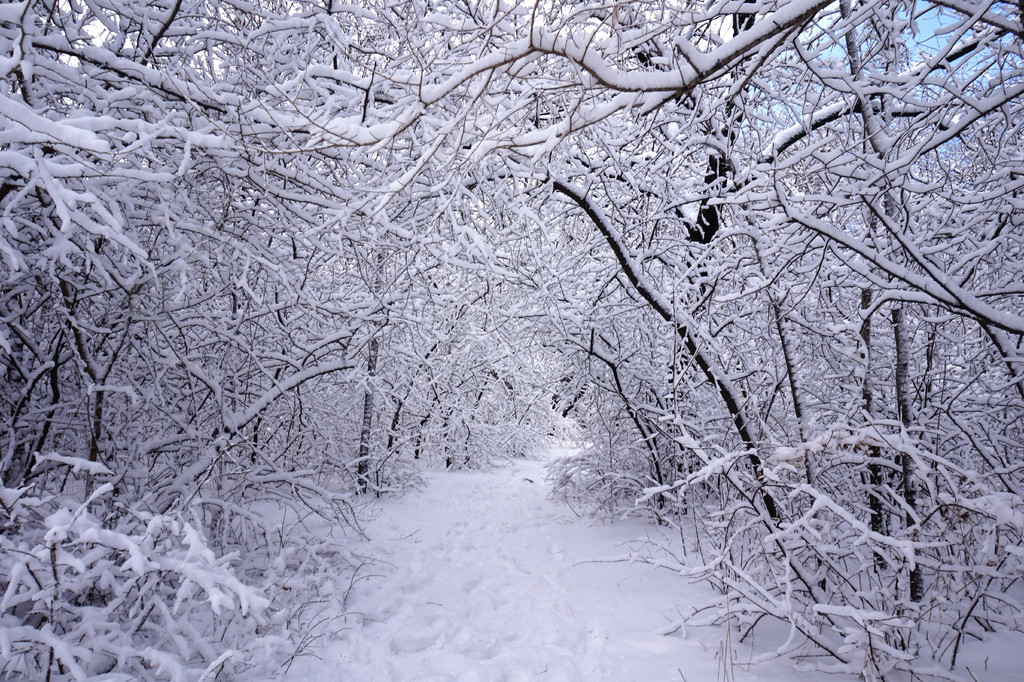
(414, 641)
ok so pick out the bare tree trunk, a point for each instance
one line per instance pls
(877, 520)
(363, 462)
(794, 391)
(906, 462)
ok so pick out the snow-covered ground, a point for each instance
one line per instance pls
(480, 577)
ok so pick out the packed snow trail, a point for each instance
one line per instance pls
(480, 577)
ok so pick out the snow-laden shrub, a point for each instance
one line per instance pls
(841, 579)
(90, 588)
(598, 480)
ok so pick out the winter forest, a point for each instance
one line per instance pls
(263, 263)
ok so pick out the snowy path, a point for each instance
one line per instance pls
(488, 580)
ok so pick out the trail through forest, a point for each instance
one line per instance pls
(479, 576)
(260, 261)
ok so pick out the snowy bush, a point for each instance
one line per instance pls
(92, 588)
(139, 595)
(596, 480)
(844, 584)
